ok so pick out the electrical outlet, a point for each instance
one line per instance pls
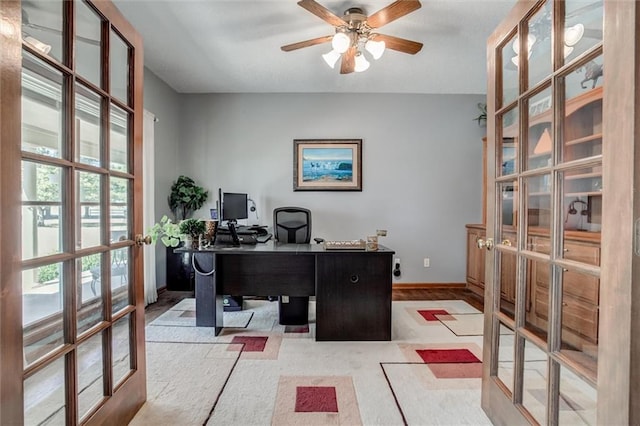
(427, 262)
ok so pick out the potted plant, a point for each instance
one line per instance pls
(482, 117)
(186, 197)
(191, 229)
(166, 231)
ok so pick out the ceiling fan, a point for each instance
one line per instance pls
(355, 30)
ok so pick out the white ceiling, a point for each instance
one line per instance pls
(233, 46)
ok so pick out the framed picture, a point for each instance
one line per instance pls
(327, 165)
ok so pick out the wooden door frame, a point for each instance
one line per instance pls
(619, 343)
(126, 401)
(11, 363)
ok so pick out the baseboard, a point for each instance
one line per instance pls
(162, 289)
(427, 286)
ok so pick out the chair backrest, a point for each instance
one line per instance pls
(292, 225)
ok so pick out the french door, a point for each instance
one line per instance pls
(72, 305)
(563, 227)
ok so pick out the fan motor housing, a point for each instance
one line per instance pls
(355, 17)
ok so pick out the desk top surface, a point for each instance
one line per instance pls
(275, 247)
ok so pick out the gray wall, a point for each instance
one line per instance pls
(422, 168)
(165, 103)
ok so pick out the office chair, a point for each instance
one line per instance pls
(292, 225)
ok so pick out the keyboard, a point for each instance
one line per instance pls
(263, 238)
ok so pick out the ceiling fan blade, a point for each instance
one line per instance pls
(400, 44)
(306, 43)
(348, 61)
(321, 12)
(392, 12)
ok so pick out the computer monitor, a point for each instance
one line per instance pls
(232, 207)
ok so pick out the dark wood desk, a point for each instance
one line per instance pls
(352, 288)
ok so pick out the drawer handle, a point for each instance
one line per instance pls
(565, 250)
(354, 279)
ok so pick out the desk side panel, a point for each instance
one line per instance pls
(354, 296)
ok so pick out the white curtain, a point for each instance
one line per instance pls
(148, 205)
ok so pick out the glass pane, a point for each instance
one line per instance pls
(507, 282)
(42, 298)
(538, 282)
(90, 312)
(540, 136)
(42, 105)
(119, 139)
(119, 67)
(87, 43)
(119, 196)
(88, 209)
(539, 45)
(534, 382)
(582, 198)
(508, 201)
(538, 203)
(580, 299)
(508, 147)
(88, 128)
(583, 26)
(120, 261)
(42, 26)
(509, 54)
(506, 353)
(578, 400)
(121, 348)
(41, 210)
(583, 112)
(44, 401)
(90, 376)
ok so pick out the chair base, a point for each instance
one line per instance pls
(295, 312)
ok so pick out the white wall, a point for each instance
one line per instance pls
(422, 168)
(165, 103)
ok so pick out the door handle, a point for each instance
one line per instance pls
(488, 243)
(140, 240)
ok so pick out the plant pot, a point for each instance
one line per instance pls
(188, 242)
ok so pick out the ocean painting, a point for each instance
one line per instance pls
(328, 165)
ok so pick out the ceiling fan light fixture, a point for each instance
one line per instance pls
(361, 63)
(331, 58)
(376, 48)
(573, 35)
(531, 39)
(38, 45)
(340, 42)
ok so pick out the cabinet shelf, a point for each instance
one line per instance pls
(585, 139)
(583, 176)
(583, 194)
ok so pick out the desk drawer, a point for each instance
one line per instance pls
(353, 296)
(266, 275)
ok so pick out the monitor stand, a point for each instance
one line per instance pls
(234, 233)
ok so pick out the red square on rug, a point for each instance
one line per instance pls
(450, 356)
(251, 343)
(316, 399)
(430, 314)
(296, 328)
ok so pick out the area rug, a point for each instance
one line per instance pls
(268, 374)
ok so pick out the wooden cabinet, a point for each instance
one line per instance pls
(580, 293)
(475, 259)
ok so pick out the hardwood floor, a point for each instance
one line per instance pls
(167, 299)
